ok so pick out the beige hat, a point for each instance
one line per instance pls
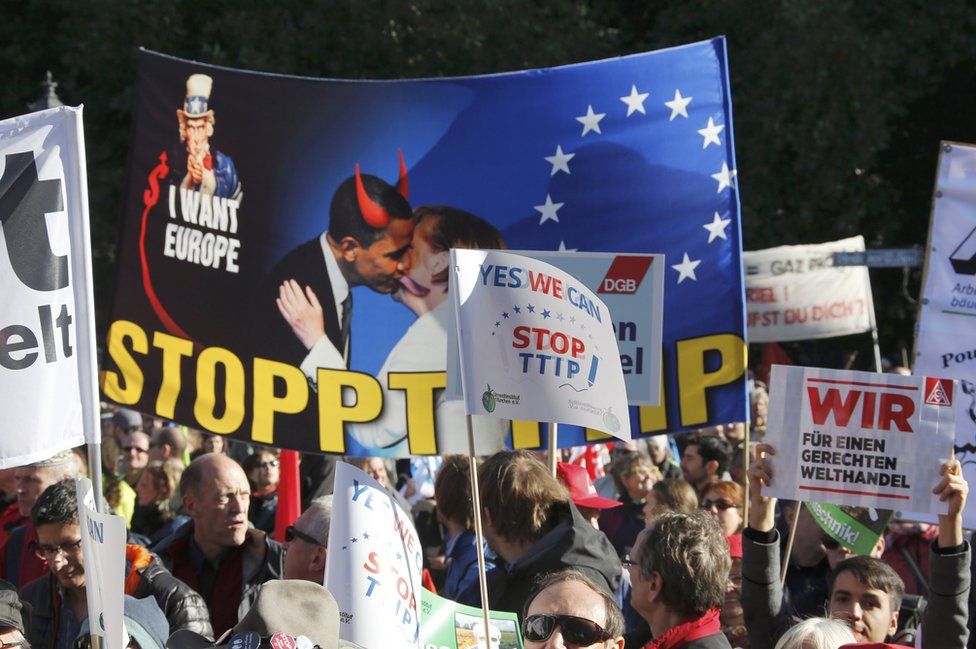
(295, 607)
(55, 460)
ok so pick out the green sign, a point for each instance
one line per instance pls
(448, 625)
(856, 528)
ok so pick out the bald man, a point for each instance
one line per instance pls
(216, 553)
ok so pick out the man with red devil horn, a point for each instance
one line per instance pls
(366, 244)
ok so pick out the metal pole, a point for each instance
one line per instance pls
(553, 437)
(95, 464)
(478, 531)
(789, 542)
(877, 350)
(745, 461)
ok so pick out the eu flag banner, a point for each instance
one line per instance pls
(286, 239)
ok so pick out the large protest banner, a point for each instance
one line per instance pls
(47, 339)
(796, 293)
(256, 267)
(946, 336)
(375, 564)
(544, 340)
(857, 438)
(103, 543)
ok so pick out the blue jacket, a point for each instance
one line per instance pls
(461, 557)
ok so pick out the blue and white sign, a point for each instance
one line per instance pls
(103, 542)
(536, 344)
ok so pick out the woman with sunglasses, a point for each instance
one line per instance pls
(724, 501)
(568, 609)
(263, 473)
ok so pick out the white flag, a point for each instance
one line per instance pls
(48, 376)
(536, 344)
(103, 543)
(375, 564)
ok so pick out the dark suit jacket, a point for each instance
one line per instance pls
(272, 337)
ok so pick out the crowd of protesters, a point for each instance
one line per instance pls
(634, 544)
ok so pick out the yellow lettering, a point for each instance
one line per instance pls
(267, 403)
(419, 388)
(132, 376)
(693, 380)
(205, 406)
(333, 413)
(174, 349)
(525, 434)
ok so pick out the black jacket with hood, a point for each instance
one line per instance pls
(571, 543)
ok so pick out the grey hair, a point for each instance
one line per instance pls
(816, 633)
(318, 518)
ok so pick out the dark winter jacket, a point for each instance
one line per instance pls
(260, 559)
(145, 576)
(571, 543)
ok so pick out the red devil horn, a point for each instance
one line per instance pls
(372, 213)
(403, 184)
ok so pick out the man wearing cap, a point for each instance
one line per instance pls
(121, 423)
(216, 553)
(18, 564)
(583, 493)
(59, 600)
(198, 166)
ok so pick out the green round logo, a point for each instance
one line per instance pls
(611, 421)
(488, 399)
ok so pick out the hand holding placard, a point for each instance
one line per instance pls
(762, 509)
(951, 489)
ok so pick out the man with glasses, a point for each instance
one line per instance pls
(58, 600)
(568, 609)
(679, 569)
(306, 542)
(135, 456)
(18, 565)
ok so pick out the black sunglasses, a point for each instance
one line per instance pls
(722, 505)
(576, 630)
(291, 534)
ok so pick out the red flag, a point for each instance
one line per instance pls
(772, 354)
(289, 494)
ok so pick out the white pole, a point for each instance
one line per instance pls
(478, 531)
(553, 438)
(877, 350)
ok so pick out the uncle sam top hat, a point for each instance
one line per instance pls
(196, 104)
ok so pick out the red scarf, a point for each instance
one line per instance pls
(682, 634)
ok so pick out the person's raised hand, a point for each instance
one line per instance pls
(952, 489)
(762, 509)
(302, 311)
